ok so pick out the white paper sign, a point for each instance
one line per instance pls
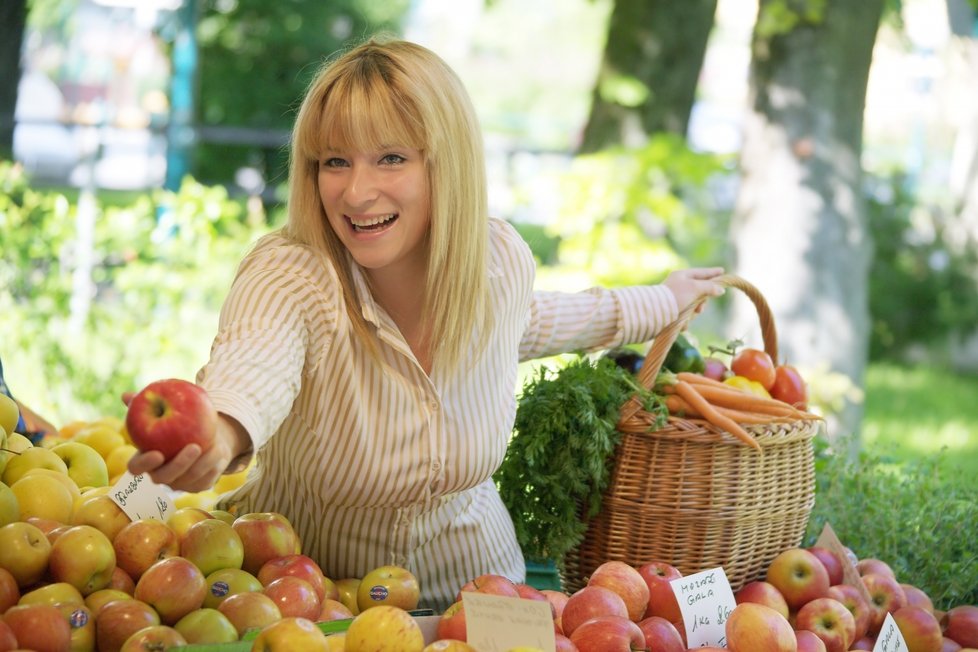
(496, 623)
(890, 639)
(706, 601)
(139, 497)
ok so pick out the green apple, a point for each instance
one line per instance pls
(24, 551)
(226, 582)
(17, 443)
(85, 466)
(31, 458)
(211, 545)
(3, 449)
(206, 626)
(9, 413)
(9, 507)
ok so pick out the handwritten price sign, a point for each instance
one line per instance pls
(706, 601)
(139, 497)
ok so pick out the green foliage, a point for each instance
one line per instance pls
(160, 266)
(630, 216)
(917, 262)
(557, 463)
(256, 59)
(778, 17)
(912, 516)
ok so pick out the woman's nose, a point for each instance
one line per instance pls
(361, 187)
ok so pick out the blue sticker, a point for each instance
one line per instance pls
(378, 593)
(220, 589)
(78, 618)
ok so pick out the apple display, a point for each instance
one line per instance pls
(833, 565)
(627, 582)
(661, 635)
(756, 628)
(376, 627)
(294, 597)
(799, 576)
(24, 552)
(960, 624)
(39, 627)
(102, 513)
(85, 466)
(761, 592)
(249, 610)
(43, 496)
(206, 626)
(291, 634)
(885, 596)
(808, 641)
(154, 638)
(169, 414)
(173, 586)
(301, 566)
(590, 602)
(830, 620)
(921, 631)
(33, 457)
(608, 634)
(83, 557)
(212, 545)
(389, 585)
(265, 536)
(662, 601)
(140, 544)
(226, 582)
(854, 601)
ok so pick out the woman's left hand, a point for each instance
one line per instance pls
(690, 285)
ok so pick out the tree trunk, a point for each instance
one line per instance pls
(800, 229)
(13, 16)
(649, 70)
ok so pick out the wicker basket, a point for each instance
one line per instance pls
(694, 496)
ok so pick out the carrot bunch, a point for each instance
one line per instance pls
(698, 397)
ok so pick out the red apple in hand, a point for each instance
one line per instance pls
(921, 631)
(830, 620)
(627, 582)
(755, 628)
(799, 576)
(658, 576)
(167, 415)
(608, 634)
(960, 624)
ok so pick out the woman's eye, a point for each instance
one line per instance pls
(392, 159)
(333, 163)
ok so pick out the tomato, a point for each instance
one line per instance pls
(747, 385)
(790, 387)
(756, 365)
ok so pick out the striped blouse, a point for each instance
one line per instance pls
(380, 464)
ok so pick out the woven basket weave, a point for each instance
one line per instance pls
(694, 496)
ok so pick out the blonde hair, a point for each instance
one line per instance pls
(388, 91)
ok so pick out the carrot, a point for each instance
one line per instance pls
(737, 399)
(699, 403)
(678, 405)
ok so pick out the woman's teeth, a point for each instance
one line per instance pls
(373, 223)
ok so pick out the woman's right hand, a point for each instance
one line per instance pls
(690, 285)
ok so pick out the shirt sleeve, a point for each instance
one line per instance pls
(258, 356)
(563, 322)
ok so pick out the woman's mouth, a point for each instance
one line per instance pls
(372, 224)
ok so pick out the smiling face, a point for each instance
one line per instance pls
(377, 204)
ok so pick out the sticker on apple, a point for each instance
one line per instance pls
(705, 601)
(139, 497)
(496, 623)
(889, 639)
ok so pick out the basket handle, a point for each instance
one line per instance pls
(664, 340)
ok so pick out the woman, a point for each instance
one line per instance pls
(367, 353)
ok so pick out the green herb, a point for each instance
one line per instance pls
(560, 458)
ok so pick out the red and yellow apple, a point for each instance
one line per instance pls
(885, 595)
(265, 536)
(608, 634)
(830, 620)
(83, 557)
(376, 627)
(761, 592)
(960, 624)
(226, 582)
(754, 627)
(627, 582)
(590, 602)
(853, 600)
(662, 600)
(799, 576)
(206, 626)
(39, 627)
(389, 585)
(301, 566)
(168, 415)
(921, 631)
(661, 635)
(152, 639)
(24, 552)
(212, 544)
(249, 610)
(290, 634)
(294, 597)
(140, 544)
(173, 586)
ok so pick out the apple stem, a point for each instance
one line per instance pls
(7, 450)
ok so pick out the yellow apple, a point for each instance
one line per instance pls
(9, 413)
(52, 594)
(232, 481)
(85, 465)
(206, 626)
(115, 423)
(24, 551)
(9, 508)
(60, 477)
(347, 589)
(183, 517)
(388, 585)
(102, 438)
(68, 430)
(378, 627)
(95, 600)
(292, 634)
(82, 626)
(44, 497)
(102, 513)
(83, 557)
(212, 545)
(17, 443)
(33, 457)
(118, 460)
(222, 515)
(204, 500)
(226, 582)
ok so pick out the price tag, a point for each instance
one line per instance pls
(890, 639)
(139, 497)
(828, 540)
(706, 601)
(496, 623)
